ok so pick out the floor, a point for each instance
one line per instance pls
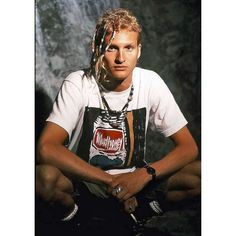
(179, 220)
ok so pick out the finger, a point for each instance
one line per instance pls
(114, 192)
(125, 196)
(129, 209)
(129, 206)
(115, 182)
(109, 190)
(132, 199)
(129, 201)
(126, 205)
(121, 194)
(118, 191)
(135, 202)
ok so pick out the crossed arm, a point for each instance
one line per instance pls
(184, 152)
(51, 150)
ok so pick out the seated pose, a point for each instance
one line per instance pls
(91, 152)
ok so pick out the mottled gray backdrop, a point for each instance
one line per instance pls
(171, 46)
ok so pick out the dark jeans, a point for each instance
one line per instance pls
(107, 216)
(97, 216)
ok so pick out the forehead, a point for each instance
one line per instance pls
(123, 37)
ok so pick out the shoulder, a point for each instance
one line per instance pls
(148, 78)
(75, 77)
(79, 79)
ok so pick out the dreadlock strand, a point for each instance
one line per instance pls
(110, 40)
(101, 46)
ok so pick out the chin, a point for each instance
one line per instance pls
(120, 75)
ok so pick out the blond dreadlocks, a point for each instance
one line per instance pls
(111, 22)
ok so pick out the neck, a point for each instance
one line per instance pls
(117, 85)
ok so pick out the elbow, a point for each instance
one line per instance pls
(194, 151)
(43, 153)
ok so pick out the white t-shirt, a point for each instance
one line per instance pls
(79, 110)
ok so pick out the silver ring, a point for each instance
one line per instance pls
(118, 189)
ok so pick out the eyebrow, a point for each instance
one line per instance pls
(127, 45)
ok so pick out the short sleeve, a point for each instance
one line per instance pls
(68, 104)
(165, 114)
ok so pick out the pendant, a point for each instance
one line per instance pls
(116, 113)
(114, 125)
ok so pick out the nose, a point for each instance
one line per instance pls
(120, 57)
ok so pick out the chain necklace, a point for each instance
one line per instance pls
(115, 118)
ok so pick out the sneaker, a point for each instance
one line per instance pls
(143, 213)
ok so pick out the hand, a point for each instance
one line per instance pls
(124, 186)
(130, 204)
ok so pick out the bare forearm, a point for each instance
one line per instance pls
(60, 157)
(175, 160)
(185, 151)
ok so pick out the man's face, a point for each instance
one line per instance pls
(121, 57)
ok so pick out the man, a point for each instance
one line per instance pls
(93, 143)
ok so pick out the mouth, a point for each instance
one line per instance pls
(120, 68)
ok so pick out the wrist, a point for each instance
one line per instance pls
(108, 179)
(145, 176)
(151, 172)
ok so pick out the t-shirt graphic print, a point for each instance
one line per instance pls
(107, 147)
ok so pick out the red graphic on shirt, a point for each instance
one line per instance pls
(108, 140)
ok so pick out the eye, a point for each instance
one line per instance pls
(111, 49)
(129, 48)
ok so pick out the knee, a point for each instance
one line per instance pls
(194, 168)
(195, 189)
(46, 181)
(197, 183)
(194, 182)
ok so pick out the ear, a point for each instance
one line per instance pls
(139, 50)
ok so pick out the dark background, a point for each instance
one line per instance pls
(171, 46)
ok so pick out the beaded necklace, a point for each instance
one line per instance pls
(115, 118)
